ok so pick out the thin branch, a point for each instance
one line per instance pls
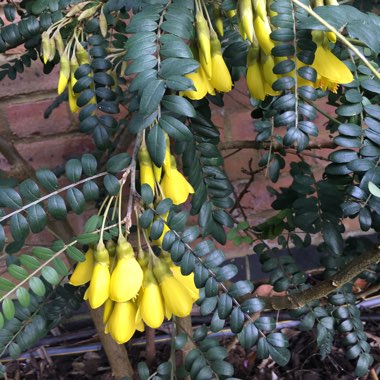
(228, 145)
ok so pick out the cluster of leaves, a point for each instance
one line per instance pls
(139, 56)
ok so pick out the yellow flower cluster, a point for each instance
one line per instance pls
(212, 73)
(167, 181)
(133, 291)
(254, 25)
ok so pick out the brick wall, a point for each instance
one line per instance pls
(47, 142)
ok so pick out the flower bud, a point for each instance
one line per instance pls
(203, 36)
(245, 14)
(147, 176)
(83, 271)
(64, 73)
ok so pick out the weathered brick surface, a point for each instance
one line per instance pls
(27, 118)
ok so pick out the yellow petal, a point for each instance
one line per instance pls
(221, 77)
(200, 87)
(206, 66)
(255, 77)
(263, 30)
(64, 74)
(186, 281)
(209, 88)
(176, 187)
(331, 67)
(245, 14)
(121, 323)
(108, 307)
(126, 279)
(203, 35)
(177, 299)
(83, 271)
(72, 99)
(98, 291)
(269, 76)
(152, 304)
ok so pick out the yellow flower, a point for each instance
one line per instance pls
(331, 69)
(177, 298)
(203, 36)
(64, 73)
(151, 306)
(209, 87)
(255, 77)
(245, 14)
(98, 291)
(127, 276)
(263, 30)
(206, 66)
(175, 186)
(83, 271)
(186, 281)
(121, 323)
(260, 8)
(146, 168)
(221, 77)
(269, 76)
(217, 16)
(199, 84)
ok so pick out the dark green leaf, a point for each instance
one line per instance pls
(179, 105)
(151, 96)
(118, 163)
(156, 145)
(57, 207)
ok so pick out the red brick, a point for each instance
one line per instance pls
(31, 80)
(26, 119)
(54, 151)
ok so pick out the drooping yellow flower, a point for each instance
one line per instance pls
(98, 291)
(221, 77)
(151, 307)
(263, 30)
(255, 77)
(146, 168)
(330, 68)
(121, 323)
(64, 73)
(127, 276)
(200, 86)
(177, 298)
(83, 271)
(206, 66)
(259, 7)
(217, 17)
(175, 185)
(269, 76)
(245, 14)
(203, 35)
(209, 87)
(186, 281)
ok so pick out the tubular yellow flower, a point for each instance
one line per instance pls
(126, 278)
(260, 8)
(121, 323)
(175, 185)
(157, 173)
(218, 18)
(245, 14)
(269, 76)
(177, 299)
(231, 13)
(186, 281)
(199, 84)
(83, 271)
(81, 54)
(64, 73)
(206, 66)
(263, 30)
(221, 77)
(203, 36)
(146, 168)
(255, 77)
(206, 81)
(151, 308)
(98, 291)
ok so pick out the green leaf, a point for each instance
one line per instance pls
(164, 206)
(156, 229)
(76, 200)
(10, 198)
(37, 286)
(50, 275)
(29, 190)
(73, 170)
(363, 30)
(118, 163)
(37, 218)
(60, 267)
(222, 368)
(363, 364)
(373, 189)
(19, 273)
(57, 207)
(92, 223)
(151, 96)
(42, 253)
(8, 309)
(248, 336)
(179, 105)
(156, 145)
(147, 194)
(280, 355)
(23, 296)
(2, 237)
(47, 179)
(89, 238)
(175, 128)
(277, 340)
(89, 164)
(112, 184)
(90, 191)
(14, 350)
(253, 305)
(19, 227)
(237, 319)
(177, 66)
(30, 262)
(226, 273)
(75, 253)
(6, 285)
(224, 306)
(332, 237)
